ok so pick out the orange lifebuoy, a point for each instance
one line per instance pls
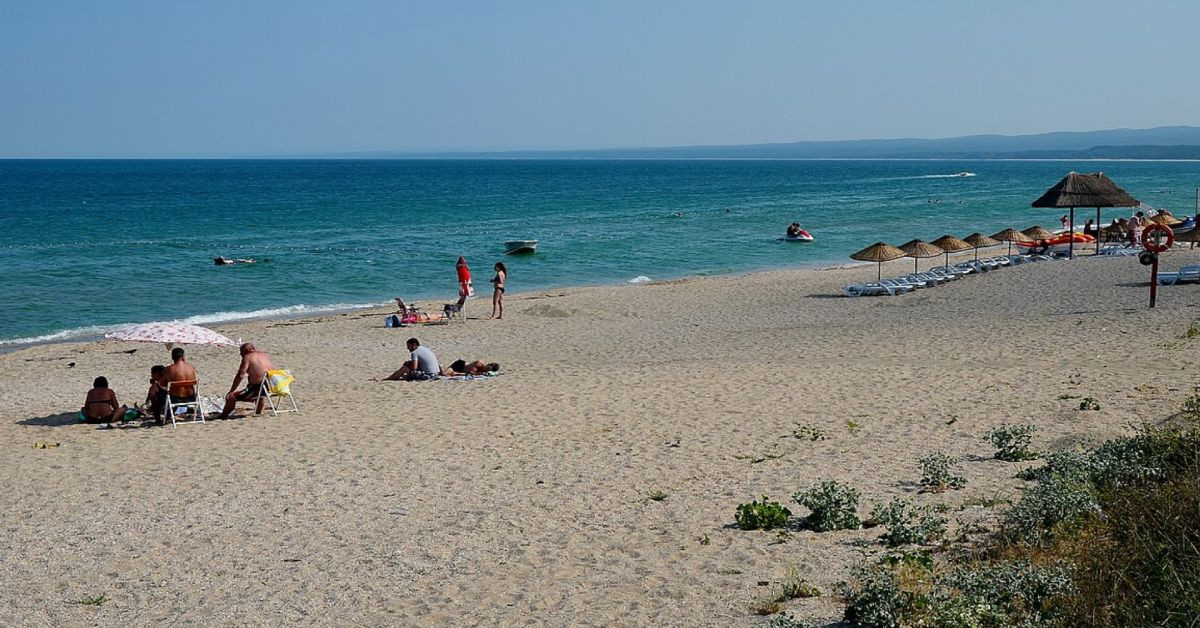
(1150, 239)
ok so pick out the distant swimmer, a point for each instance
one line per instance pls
(225, 261)
(677, 214)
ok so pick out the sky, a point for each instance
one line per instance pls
(123, 78)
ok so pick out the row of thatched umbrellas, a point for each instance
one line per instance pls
(881, 252)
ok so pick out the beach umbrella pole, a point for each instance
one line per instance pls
(1097, 231)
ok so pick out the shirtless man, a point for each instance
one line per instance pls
(179, 371)
(254, 367)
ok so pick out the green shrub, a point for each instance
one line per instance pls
(1058, 504)
(784, 620)
(1013, 592)
(763, 515)
(907, 523)
(874, 598)
(834, 506)
(1012, 442)
(1089, 403)
(795, 586)
(935, 473)
(1191, 407)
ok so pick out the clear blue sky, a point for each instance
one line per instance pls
(117, 78)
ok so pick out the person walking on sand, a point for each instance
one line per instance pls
(464, 281)
(498, 290)
(254, 367)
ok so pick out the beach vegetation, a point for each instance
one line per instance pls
(656, 495)
(795, 586)
(1191, 407)
(833, 506)
(92, 600)
(762, 515)
(907, 523)
(1089, 403)
(852, 426)
(784, 620)
(766, 606)
(808, 432)
(1105, 536)
(982, 502)
(1012, 441)
(704, 540)
(936, 475)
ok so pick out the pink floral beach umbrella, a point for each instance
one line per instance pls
(172, 333)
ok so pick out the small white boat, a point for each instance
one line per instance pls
(514, 247)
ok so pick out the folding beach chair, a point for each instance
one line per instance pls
(178, 405)
(276, 387)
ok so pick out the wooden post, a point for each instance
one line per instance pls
(1097, 231)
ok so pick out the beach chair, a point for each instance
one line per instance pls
(275, 388)
(177, 405)
(897, 286)
(936, 280)
(866, 290)
(910, 280)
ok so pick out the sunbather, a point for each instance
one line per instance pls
(478, 367)
(253, 368)
(100, 405)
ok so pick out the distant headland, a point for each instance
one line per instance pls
(1167, 142)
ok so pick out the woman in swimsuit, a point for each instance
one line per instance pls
(101, 406)
(478, 367)
(498, 292)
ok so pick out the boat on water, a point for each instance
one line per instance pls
(516, 247)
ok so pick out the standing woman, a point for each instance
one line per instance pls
(464, 281)
(498, 290)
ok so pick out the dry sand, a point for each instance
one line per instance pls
(522, 499)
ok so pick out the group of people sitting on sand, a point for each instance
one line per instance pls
(177, 382)
(423, 365)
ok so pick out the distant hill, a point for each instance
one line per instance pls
(1168, 142)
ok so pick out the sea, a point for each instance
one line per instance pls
(90, 246)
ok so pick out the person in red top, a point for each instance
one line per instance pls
(464, 281)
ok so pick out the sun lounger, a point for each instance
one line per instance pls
(909, 280)
(900, 287)
(932, 278)
(872, 289)
(1186, 274)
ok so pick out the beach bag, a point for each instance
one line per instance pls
(278, 382)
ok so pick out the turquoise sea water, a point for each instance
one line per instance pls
(89, 245)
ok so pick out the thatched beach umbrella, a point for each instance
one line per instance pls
(978, 241)
(1037, 232)
(1011, 235)
(1164, 219)
(1085, 190)
(879, 253)
(919, 248)
(950, 244)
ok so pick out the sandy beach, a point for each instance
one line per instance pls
(523, 499)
